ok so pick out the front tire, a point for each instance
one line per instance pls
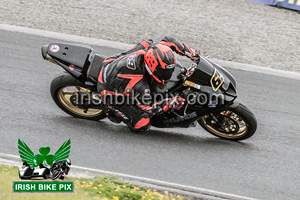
(238, 123)
(64, 89)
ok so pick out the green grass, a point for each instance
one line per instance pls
(104, 187)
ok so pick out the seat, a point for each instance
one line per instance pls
(94, 68)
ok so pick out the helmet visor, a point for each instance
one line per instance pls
(165, 74)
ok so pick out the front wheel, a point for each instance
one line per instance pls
(65, 90)
(235, 124)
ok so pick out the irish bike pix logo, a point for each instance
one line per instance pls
(45, 165)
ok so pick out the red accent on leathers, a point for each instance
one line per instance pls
(100, 76)
(109, 60)
(143, 122)
(145, 44)
(134, 80)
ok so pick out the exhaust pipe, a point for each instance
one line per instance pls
(44, 51)
(46, 56)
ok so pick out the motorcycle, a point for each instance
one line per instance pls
(25, 172)
(209, 90)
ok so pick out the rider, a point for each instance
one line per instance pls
(137, 70)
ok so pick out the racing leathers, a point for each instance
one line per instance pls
(125, 74)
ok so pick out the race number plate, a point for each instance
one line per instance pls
(216, 80)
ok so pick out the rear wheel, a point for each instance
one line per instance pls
(66, 90)
(236, 124)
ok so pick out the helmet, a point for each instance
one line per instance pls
(160, 62)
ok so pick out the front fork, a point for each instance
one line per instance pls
(208, 111)
(215, 114)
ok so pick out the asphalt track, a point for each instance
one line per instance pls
(265, 166)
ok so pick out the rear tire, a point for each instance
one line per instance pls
(241, 118)
(58, 89)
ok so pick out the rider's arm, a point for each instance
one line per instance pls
(181, 48)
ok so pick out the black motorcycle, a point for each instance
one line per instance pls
(59, 169)
(209, 90)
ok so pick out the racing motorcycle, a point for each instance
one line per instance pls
(209, 90)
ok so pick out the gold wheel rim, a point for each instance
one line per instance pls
(243, 127)
(64, 95)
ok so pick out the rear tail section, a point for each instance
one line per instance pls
(81, 61)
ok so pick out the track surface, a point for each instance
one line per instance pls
(232, 30)
(265, 166)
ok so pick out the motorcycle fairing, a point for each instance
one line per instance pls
(210, 74)
(74, 58)
(71, 53)
(193, 113)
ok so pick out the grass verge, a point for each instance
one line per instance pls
(103, 187)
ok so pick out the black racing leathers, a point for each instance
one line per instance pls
(124, 75)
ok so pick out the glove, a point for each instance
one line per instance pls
(174, 103)
(195, 54)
